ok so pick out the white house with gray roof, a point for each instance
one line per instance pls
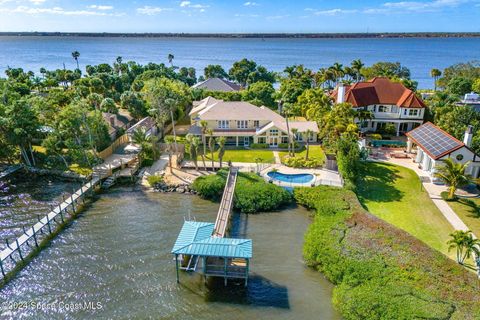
(243, 123)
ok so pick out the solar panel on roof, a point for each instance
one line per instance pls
(433, 140)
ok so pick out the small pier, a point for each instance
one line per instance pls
(31, 238)
(202, 246)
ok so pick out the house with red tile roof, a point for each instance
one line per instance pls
(389, 102)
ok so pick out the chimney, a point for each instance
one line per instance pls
(467, 139)
(341, 93)
(112, 120)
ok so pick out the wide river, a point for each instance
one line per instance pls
(418, 54)
(117, 254)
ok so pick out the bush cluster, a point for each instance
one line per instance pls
(381, 272)
(153, 180)
(285, 146)
(300, 162)
(252, 193)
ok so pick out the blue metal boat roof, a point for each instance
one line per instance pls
(195, 238)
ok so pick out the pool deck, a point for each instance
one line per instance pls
(322, 176)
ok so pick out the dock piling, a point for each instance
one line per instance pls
(34, 236)
(19, 249)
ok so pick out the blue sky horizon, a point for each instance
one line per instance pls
(210, 16)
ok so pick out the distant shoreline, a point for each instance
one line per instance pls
(250, 35)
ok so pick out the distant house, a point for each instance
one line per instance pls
(217, 84)
(390, 103)
(243, 123)
(472, 100)
(434, 145)
(117, 123)
(148, 124)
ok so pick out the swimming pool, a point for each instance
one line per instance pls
(291, 178)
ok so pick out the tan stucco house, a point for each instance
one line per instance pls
(243, 123)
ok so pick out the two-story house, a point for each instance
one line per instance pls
(243, 123)
(389, 102)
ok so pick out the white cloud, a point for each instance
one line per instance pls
(150, 11)
(332, 12)
(278, 17)
(424, 6)
(37, 2)
(100, 7)
(189, 4)
(250, 4)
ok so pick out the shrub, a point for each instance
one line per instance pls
(300, 162)
(153, 180)
(375, 136)
(285, 146)
(381, 272)
(252, 193)
(259, 146)
(445, 197)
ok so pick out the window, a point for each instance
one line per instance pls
(256, 123)
(284, 139)
(459, 157)
(242, 124)
(274, 132)
(413, 112)
(383, 109)
(262, 140)
(223, 124)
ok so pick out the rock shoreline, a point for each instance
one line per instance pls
(177, 188)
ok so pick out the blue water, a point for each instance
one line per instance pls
(418, 54)
(291, 178)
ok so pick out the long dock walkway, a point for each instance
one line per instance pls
(226, 204)
(44, 226)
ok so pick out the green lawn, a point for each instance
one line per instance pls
(243, 155)
(469, 211)
(395, 194)
(315, 152)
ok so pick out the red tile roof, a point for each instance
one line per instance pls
(380, 90)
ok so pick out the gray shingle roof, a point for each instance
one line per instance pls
(217, 84)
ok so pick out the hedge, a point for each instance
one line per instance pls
(259, 146)
(252, 193)
(381, 272)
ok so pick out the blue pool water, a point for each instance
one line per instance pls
(291, 178)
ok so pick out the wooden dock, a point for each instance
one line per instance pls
(21, 247)
(226, 204)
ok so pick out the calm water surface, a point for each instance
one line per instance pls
(117, 253)
(418, 54)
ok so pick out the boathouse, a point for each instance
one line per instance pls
(197, 250)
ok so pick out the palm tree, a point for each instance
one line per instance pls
(465, 245)
(292, 141)
(221, 151)
(211, 146)
(171, 105)
(453, 174)
(337, 69)
(308, 134)
(257, 162)
(193, 142)
(435, 74)
(285, 111)
(76, 55)
(170, 58)
(204, 125)
(357, 66)
(169, 141)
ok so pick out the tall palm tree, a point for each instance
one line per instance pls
(169, 141)
(76, 55)
(453, 174)
(337, 69)
(171, 105)
(170, 58)
(435, 74)
(308, 134)
(221, 151)
(357, 66)
(465, 245)
(204, 125)
(193, 143)
(211, 146)
(292, 141)
(285, 110)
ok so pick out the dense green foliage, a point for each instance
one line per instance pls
(381, 272)
(252, 193)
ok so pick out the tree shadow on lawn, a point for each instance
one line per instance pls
(378, 183)
(474, 208)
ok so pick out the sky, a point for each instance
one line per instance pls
(203, 16)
